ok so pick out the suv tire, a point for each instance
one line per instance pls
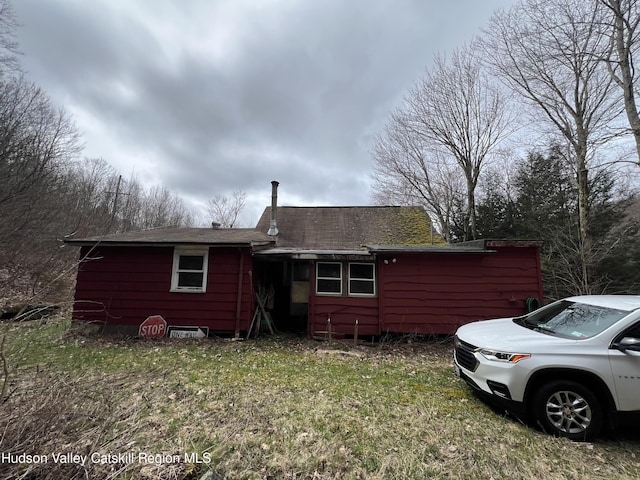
(567, 409)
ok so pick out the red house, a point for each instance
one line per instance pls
(380, 267)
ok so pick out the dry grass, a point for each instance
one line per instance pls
(267, 409)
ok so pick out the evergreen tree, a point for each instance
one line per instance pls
(545, 207)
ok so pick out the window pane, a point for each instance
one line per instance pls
(572, 319)
(361, 270)
(300, 272)
(328, 286)
(191, 262)
(329, 270)
(361, 286)
(190, 279)
(633, 331)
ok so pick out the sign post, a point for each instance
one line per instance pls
(153, 326)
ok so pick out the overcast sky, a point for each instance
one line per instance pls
(208, 97)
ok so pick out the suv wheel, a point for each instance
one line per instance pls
(567, 409)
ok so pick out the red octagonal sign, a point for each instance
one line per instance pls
(153, 326)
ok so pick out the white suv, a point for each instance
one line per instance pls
(573, 366)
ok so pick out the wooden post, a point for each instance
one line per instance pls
(239, 295)
(355, 334)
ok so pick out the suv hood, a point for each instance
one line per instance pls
(504, 334)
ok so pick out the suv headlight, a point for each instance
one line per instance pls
(507, 357)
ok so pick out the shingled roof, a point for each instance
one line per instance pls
(182, 236)
(300, 228)
(349, 228)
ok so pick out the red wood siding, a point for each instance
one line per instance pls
(436, 293)
(124, 285)
(343, 312)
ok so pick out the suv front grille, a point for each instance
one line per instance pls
(464, 355)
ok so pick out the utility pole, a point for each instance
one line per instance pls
(114, 209)
(115, 200)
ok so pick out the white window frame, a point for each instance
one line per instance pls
(372, 280)
(318, 278)
(175, 271)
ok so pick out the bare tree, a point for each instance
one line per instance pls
(9, 49)
(37, 143)
(225, 210)
(129, 206)
(455, 116)
(92, 183)
(544, 50)
(84, 181)
(407, 173)
(105, 202)
(622, 25)
(35, 139)
(161, 208)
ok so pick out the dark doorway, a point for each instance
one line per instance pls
(288, 282)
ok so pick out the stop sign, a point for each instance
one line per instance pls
(153, 326)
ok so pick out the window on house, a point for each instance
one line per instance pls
(189, 270)
(329, 278)
(362, 280)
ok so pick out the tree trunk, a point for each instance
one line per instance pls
(471, 209)
(626, 74)
(582, 178)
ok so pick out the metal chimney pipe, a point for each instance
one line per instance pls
(273, 224)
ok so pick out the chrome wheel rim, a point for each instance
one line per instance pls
(568, 412)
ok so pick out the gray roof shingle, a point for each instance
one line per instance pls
(349, 228)
(300, 228)
(177, 235)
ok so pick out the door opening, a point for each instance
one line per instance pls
(289, 282)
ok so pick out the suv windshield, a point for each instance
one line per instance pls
(571, 319)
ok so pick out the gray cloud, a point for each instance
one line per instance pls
(207, 98)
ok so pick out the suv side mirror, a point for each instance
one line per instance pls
(627, 343)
